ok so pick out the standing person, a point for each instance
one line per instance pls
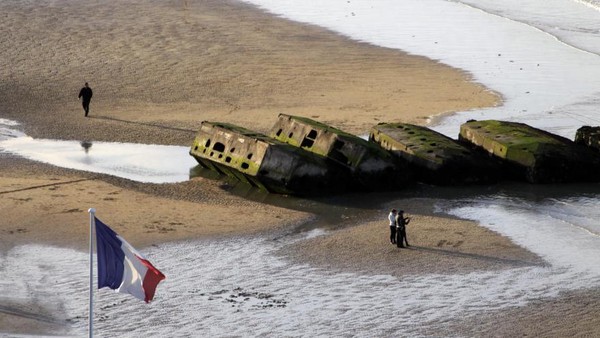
(392, 219)
(401, 223)
(85, 94)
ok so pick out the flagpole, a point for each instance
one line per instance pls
(92, 212)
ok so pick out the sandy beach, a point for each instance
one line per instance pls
(158, 69)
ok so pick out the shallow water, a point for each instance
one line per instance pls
(148, 163)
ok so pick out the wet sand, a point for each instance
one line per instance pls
(438, 244)
(158, 69)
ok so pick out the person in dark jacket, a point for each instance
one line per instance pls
(401, 223)
(85, 94)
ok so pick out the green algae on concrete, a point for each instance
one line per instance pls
(371, 166)
(258, 160)
(437, 158)
(539, 156)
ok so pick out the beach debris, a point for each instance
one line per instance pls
(435, 158)
(588, 136)
(371, 167)
(306, 157)
(533, 154)
(264, 162)
(245, 300)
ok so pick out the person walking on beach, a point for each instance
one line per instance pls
(401, 223)
(85, 94)
(392, 219)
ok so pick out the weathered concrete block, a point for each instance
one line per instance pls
(588, 136)
(538, 156)
(264, 162)
(437, 158)
(372, 167)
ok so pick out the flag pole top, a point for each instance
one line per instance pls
(92, 210)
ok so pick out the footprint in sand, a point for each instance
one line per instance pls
(18, 231)
(72, 210)
(23, 199)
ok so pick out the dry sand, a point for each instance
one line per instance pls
(158, 69)
(175, 64)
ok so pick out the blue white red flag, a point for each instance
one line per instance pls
(122, 268)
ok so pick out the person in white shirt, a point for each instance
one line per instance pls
(392, 219)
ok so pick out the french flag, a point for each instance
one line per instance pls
(121, 267)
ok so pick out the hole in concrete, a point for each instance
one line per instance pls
(309, 140)
(220, 147)
(232, 150)
(245, 165)
(290, 135)
(207, 143)
(228, 159)
(249, 156)
(278, 132)
(307, 143)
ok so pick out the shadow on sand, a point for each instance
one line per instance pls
(490, 259)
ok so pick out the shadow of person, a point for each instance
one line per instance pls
(490, 259)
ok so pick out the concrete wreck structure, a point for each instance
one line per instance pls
(588, 136)
(371, 167)
(436, 158)
(533, 154)
(305, 157)
(263, 162)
